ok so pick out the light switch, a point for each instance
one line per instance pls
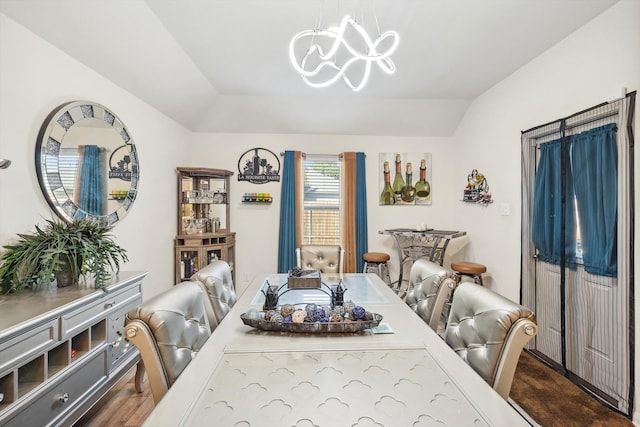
(505, 209)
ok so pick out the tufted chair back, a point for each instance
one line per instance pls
(429, 286)
(489, 331)
(218, 283)
(326, 258)
(169, 330)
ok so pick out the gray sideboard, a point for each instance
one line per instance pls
(62, 349)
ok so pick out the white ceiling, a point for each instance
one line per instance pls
(223, 66)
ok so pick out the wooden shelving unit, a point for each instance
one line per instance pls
(203, 197)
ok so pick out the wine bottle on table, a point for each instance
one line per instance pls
(409, 191)
(398, 181)
(423, 188)
(387, 197)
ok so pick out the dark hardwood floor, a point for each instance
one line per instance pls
(122, 406)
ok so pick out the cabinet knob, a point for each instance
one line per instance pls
(64, 398)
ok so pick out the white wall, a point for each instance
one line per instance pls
(257, 226)
(587, 68)
(35, 78)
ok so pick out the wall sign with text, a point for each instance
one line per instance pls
(259, 166)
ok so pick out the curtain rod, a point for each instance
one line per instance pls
(304, 154)
(579, 123)
(603, 104)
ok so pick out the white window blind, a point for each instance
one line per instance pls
(69, 164)
(321, 221)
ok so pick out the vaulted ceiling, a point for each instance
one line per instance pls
(223, 65)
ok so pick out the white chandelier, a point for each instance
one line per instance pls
(321, 69)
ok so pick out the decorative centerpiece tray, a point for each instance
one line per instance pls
(339, 316)
(312, 327)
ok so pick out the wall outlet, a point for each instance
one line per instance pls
(246, 276)
(505, 209)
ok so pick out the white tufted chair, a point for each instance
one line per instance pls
(326, 258)
(168, 330)
(489, 331)
(218, 283)
(429, 286)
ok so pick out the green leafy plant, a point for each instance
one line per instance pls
(83, 247)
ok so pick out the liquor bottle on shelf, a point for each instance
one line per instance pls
(409, 191)
(387, 197)
(398, 182)
(423, 188)
(188, 265)
(194, 263)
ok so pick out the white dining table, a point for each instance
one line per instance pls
(399, 374)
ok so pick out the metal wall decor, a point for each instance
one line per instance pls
(121, 166)
(477, 189)
(259, 166)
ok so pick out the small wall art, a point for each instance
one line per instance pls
(477, 189)
(405, 179)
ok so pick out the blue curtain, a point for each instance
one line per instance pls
(91, 182)
(546, 230)
(362, 240)
(287, 235)
(595, 170)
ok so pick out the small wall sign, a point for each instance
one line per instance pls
(259, 166)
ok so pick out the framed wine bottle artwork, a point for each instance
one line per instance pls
(405, 179)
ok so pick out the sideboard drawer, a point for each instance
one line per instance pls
(73, 322)
(29, 343)
(60, 397)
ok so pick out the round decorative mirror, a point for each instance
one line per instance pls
(87, 163)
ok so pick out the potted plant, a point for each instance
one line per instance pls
(78, 248)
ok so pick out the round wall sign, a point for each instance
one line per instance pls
(259, 166)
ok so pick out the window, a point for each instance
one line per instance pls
(69, 165)
(321, 207)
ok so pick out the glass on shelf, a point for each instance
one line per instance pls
(119, 194)
(257, 197)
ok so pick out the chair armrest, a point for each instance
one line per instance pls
(139, 334)
(521, 332)
(444, 290)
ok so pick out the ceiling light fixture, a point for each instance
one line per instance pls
(320, 67)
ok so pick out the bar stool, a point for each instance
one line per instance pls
(471, 269)
(378, 262)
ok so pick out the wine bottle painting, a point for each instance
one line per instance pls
(405, 179)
